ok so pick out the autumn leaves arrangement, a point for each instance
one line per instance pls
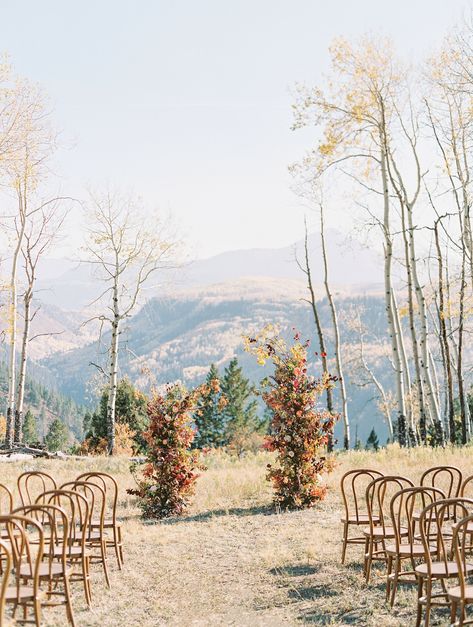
(298, 434)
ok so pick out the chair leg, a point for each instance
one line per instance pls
(37, 612)
(420, 585)
(453, 612)
(369, 559)
(397, 570)
(388, 577)
(86, 577)
(118, 531)
(344, 547)
(67, 594)
(103, 552)
(428, 601)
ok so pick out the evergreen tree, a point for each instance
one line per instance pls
(358, 445)
(57, 436)
(30, 430)
(208, 417)
(130, 409)
(372, 443)
(241, 411)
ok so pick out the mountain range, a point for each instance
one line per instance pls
(200, 316)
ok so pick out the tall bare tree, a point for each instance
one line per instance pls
(126, 247)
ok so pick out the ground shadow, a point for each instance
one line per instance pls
(217, 513)
(298, 570)
(311, 593)
(317, 617)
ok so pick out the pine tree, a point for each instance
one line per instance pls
(130, 409)
(372, 443)
(57, 436)
(240, 413)
(30, 430)
(358, 445)
(208, 417)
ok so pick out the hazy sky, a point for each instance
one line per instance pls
(188, 101)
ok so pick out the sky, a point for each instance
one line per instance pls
(188, 102)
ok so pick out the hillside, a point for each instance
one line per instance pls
(176, 338)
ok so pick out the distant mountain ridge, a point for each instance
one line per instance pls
(352, 267)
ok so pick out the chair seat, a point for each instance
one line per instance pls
(407, 550)
(15, 594)
(442, 569)
(45, 571)
(108, 522)
(387, 532)
(362, 519)
(71, 551)
(455, 593)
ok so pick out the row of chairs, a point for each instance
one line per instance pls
(428, 526)
(51, 539)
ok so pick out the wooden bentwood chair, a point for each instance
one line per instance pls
(406, 547)
(378, 497)
(77, 511)
(353, 487)
(94, 538)
(440, 564)
(462, 595)
(53, 570)
(110, 486)
(21, 557)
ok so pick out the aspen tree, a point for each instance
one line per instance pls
(126, 247)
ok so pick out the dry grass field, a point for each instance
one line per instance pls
(233, 561)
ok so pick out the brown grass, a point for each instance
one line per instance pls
(233, 561)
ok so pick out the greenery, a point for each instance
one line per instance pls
(30, 430)
(209, 418)
(372, 443)
(46, 404)
(240, 413)
(130, 411)
(57, 436)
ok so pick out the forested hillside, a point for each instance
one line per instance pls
(46, 404)
(177, 338)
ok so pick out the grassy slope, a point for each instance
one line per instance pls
(231, 561)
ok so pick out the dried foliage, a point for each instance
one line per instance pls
(299, 429)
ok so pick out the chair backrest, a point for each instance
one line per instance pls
(6, 560)
(378, 498)
(461, 543)
(55, 524)
(353, 486)
(435, 531)
(77, 509)
(32, 483)
(467, 487)
(6, 500)
(24, 555)
(447, 478)
(109, 485)
(404, 507)
(96, 497)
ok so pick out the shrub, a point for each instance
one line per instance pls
(166, 482)
(124, 443)
(299, 429)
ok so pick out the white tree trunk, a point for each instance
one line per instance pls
(388, 254)
(18, 432)
(113, 374)
(424, 334)
(13, 313)
(336, 329)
